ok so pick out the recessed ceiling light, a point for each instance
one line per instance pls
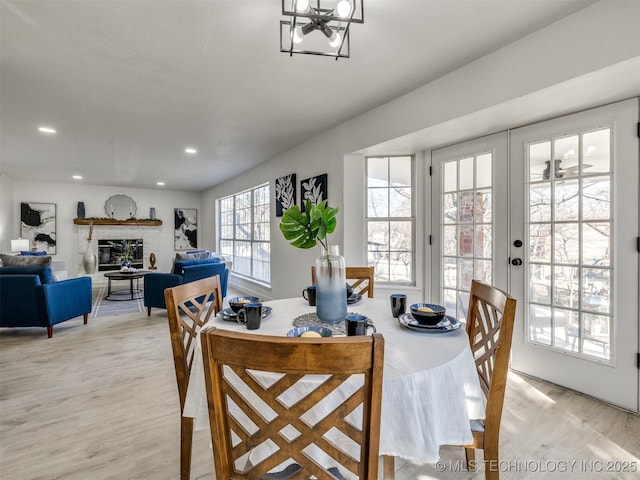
(78, 177)
(47, 130)
(190, 150)
(160, 184)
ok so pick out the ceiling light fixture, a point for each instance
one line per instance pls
(47, 130)
(77, 177)
(332, 18)
(160, 184)
(190, 150)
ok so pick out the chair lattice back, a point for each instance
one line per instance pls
(490, 329)
(189, 308)
(360, 278)
(299, 406)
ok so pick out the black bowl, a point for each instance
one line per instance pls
(349, 291)
(236, 303)
(428, 313)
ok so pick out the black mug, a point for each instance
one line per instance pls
(357, 324)
(398, 304)
(250, 315)
(309, 294)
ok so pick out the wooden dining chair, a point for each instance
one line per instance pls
(490, 321)
(282, 408)
(189, 308)
(489, 327)
(360, 278)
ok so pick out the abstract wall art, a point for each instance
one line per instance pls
(186, 228)
(38, 224)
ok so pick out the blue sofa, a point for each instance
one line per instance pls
(30, 298)
(184, 271)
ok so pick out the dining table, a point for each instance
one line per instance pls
(431, 390)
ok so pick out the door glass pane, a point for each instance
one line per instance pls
(450, 177)
(483, 208)
(566, 157)
(597, 151)
(449, 240)
(568, 263)
(566, 200)
(540, 324)
(540, 242)
(466, 174)
(483, 170)
(596, 202)
(540, 283)
(540, 202)
(539, 161)
(596, 335)
(449, 208)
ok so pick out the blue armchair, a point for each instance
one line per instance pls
(183, 272)
(29, 298)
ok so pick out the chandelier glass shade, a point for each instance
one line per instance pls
(319, 27)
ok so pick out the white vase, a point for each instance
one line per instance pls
(89, 261)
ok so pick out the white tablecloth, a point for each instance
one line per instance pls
(430, 388)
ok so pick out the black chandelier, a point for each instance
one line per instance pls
(329, 19)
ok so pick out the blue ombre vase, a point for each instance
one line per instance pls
(331, 290)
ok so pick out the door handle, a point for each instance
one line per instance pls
(516, 262)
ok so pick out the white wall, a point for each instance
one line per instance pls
(563, 55)
(7, 229)
(67, 195)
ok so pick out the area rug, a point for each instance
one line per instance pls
(107, 308)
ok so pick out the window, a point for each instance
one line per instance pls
(243, 232)
(390, 219)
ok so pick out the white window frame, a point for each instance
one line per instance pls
(411, 218)
(251, 240)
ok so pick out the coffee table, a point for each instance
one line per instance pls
(125, 294)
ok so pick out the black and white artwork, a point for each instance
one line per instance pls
(186, 228)
(38, 224)
(285, 193)
(314, 189)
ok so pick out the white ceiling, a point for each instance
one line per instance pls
(128, 85)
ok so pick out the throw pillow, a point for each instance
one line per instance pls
(25, 261)
(180, 256)
(45, 273)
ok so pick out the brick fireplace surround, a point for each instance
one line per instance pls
(149, 234)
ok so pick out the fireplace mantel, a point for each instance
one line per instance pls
(110, 221)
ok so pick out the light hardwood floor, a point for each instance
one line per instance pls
(100, 401)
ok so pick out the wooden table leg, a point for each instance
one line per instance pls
(388, 467)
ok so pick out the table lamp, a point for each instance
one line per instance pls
(20, 245)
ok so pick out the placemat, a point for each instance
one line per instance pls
(309, 319)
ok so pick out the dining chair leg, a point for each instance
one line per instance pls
(491, 467)
(388, 467)
(186, 441)
(470, 457)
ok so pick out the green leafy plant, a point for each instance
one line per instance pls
(310, 227)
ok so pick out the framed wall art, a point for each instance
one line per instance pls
(285, 193)
(186, 228)
(38, 224)
(314, 189)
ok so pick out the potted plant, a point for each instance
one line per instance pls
(306, 230)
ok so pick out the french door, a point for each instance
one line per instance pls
(574, 201)
(549, 212)
(469, 201)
